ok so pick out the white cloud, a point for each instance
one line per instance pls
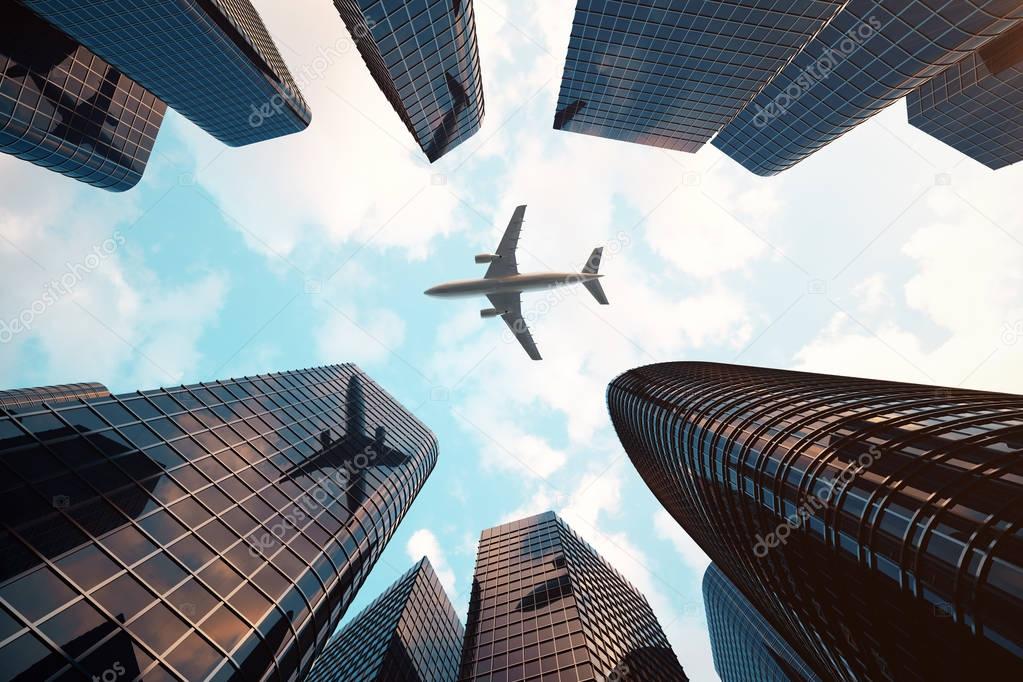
(72, 260)
(692, 556)
(424, 543)
(365, 338)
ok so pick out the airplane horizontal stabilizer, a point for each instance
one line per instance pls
(593, 286)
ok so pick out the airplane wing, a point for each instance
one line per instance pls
(506, 264)
(513, 318)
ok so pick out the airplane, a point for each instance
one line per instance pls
(504, 285)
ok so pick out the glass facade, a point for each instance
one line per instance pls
(976, 105)
(64, 108)
(672, 74)
(212, 531)
(410, 633)
(545, 607)
(745, 646)
(211, 60)
(424, 57)
(878, 526)
(871, 54)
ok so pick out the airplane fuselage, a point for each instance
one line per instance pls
(467, 288)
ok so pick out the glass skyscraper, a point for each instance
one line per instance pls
(212, 531)
(410, 633)
(545, 605)
(211, 60)
(424, 57)
(976, 105)
(672, 74)
(745, 646)
(876, 525)
(64, 108)
(870, 55)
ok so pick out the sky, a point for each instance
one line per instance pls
(885, 255)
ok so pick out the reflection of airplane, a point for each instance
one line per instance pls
(503, 284)
(442, 134)
(353, 453)
(81, 120)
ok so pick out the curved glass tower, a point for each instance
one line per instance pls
(424, 58)
(877, 526)
(213, 61)
(744, 644)
(211, 531)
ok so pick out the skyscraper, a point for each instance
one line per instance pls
(64, 108)
(423, 56)
(870, 55)
(545, 605)
(673, 74)
(410, 633)
(211, 60)
(976, 105)
(215, 530)
(874, 524)
(745, 646)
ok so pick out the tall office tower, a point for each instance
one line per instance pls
(976, 105)
(871, 54)
(211, 531)
(410, 633)
(745, 646)
(64, 108)
(211, 60)
(875, 525)
(423, 56)
(673, 74)
(545, 605)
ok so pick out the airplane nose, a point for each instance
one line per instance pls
(432, 291)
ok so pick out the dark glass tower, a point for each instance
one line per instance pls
(64, 108)
(410, 633)
(871, 54)
(877, 526)
(672, 74)
(545, 605)
(423, 56)
(744, 644)
(211, 531)
(976, 105)
(211, 60)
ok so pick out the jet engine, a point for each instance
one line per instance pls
(487, 257)
(491, 312)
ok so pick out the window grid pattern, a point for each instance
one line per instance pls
(976, 105)
(211, 531)
(64, 108)
(884, 50)
(211, 60)
(672, 74)
(410, 633)
(424, 57)
(546, 607)
(926, 525)
(745, 646)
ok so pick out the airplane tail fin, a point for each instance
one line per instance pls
(591, 267)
